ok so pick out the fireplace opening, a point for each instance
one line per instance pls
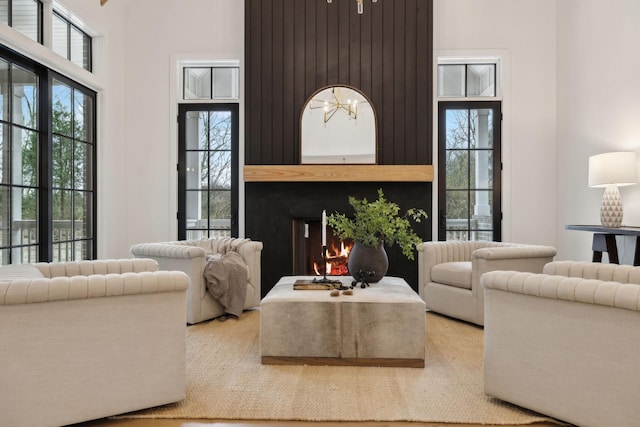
(307, 250)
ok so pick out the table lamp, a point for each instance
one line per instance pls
(612, 170)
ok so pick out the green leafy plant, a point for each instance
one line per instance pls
(378, 221)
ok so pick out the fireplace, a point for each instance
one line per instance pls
(278, 211)
(307, 250)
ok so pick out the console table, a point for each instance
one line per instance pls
(604, 240)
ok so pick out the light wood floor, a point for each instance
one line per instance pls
(213, 423)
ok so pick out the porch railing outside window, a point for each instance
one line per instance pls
(47, 164)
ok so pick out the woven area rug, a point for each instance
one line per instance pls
(226, 380)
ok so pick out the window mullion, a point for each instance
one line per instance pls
(45, 137)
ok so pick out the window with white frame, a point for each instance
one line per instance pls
(467, 80)
(209, 83)
(64, 36)
(69, 41)
(24, 16)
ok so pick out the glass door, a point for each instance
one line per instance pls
(207, 171)
(469, 171)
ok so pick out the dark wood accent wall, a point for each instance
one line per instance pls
(295, 47)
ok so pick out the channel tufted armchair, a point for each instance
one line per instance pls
(449, 272)
(565, 343)
(89, 339)
(191, 257)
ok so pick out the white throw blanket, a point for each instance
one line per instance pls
(226, 277)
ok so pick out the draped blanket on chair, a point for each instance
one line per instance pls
(226, 276)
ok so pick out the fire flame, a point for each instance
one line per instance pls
(336, 261)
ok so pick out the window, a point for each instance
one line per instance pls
(208, 135)
(67, 38)
(24, 16)
(210, 83)
(70, 42)
(467, 80)
(47, 164)
(469, 171)
(207, 171)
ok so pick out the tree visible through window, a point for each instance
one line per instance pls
(469, 171)
(207, 168)
(47, 189)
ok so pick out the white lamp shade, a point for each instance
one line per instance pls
(618, 168)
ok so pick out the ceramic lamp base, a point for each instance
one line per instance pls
(611, 208)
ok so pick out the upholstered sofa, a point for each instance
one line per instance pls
(191, 257)
(449, 272)
(565, 343)
(85, 340)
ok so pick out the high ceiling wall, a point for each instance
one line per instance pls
(294, 47)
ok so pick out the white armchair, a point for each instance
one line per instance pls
(565, 343)
(449, 272)
(191, 256)
(90, 339)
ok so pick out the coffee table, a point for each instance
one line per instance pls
(381, 325)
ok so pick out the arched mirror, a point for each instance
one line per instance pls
(338, 126)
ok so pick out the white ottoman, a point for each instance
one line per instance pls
(381, 325)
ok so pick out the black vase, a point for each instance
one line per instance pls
(368, 263)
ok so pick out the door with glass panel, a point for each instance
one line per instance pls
(207, 171)
(469, 171)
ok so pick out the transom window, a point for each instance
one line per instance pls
(64, 36)
(24, 16)
(70, 42)
(204, 83)
(467, 80)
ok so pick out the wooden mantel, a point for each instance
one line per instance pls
(338, 173)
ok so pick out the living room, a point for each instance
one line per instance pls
(556, 113)
(554, 106)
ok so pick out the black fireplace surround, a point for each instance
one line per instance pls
(271, 208)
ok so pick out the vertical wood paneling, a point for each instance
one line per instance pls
(386, 114)
(253, 115)
(266, 101)
(410, 79)
(333, 46)
(277, 82)
(399, 94)
(290, 110)
(294, 47)
(298, 79)
(424, 79)
(321, 45)
(343, 23)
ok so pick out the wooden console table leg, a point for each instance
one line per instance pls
(607, 243)
(598, 246)
(612, 248)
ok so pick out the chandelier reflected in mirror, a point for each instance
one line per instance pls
(360, 5)
(336, 102)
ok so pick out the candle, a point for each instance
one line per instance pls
(324, 228)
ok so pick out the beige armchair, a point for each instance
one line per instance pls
(89, 339)
(191, 257)
(565, 343)
(449, 272)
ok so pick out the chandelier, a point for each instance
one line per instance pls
(360, 5)
(335, 103)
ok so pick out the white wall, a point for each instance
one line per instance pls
(157, 33)
(598, 110)
(522, 32)
(571, 92)
(105, 25)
